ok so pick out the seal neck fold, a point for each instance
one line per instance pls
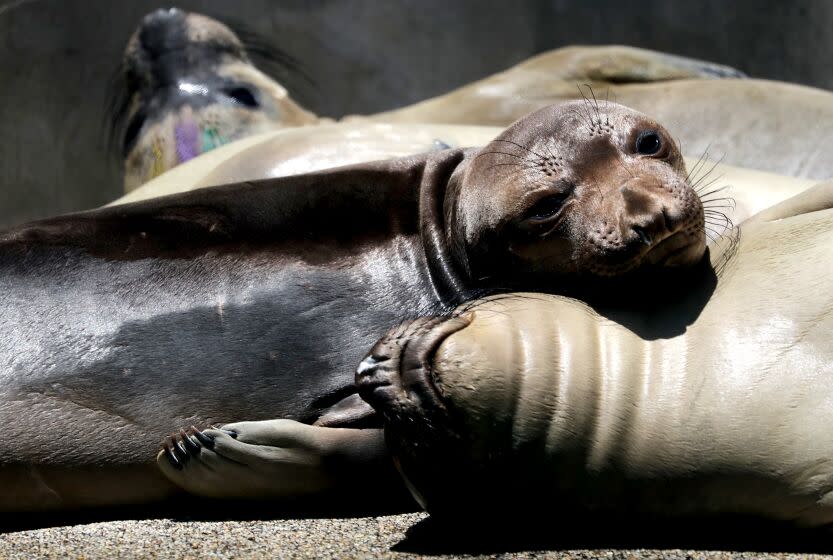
(445, 276)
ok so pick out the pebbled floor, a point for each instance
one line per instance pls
(394, 536)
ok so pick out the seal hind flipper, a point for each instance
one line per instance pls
(271, 459)
(623, 65)
(817, 197)
(349, 412)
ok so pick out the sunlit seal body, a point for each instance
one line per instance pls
(736, 192)
(255, 301)
(526, 401)
(767, 125)
(190, 87)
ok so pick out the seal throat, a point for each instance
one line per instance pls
(443, 268)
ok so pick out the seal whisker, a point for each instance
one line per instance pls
(709, 172)
(497, 152)
(719, 234)
(724, 222)
(698, 185)
(521, 146)
(589, 110)
(721, 199)
(607, 107)
(583, 109)
(595, 104)
(716, 215)
(719, 190)
(698, 163)
(508, 165)
(711, 192)
(267, 53)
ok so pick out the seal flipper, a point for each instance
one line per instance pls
(274, 459)
(349, 412)
(278, 214)
(818, 197)
(622, 65)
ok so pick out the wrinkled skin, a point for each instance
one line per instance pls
(528, 400)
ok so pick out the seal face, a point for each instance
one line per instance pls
(190, 87)
(580, 188)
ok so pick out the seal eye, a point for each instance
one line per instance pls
(244, 96)
(546, 208)
(648, 143)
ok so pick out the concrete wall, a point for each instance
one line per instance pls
(58, 56)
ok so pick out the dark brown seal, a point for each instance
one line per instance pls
(256, 300)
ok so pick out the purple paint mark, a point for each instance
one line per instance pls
(186, 134)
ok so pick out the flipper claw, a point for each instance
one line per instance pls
(179, 450)
(191, 444)
(171, 456)
(206, 440)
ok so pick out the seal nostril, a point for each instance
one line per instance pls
(643, 235)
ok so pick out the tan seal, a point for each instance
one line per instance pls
(761, 124)
(528, 400)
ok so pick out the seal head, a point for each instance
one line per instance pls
(190, 87)
(579, 189)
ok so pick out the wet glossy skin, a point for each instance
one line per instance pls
(136, 318)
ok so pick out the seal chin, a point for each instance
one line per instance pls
(684, 248)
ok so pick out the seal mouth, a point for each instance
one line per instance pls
(679, 249)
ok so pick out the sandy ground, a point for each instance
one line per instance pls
(393, 536)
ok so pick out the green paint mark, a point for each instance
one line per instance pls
(158, 158)
(211, 139)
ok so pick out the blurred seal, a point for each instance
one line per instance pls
(190, 87)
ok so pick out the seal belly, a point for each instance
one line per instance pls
(103, 357)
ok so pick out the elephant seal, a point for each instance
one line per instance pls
(519, 402)
(256, 300)
(789, 123)
(189, 88)
(733, 194)
(204, 86)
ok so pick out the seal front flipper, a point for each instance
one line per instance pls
(272, 459)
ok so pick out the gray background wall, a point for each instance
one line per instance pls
(57, 57)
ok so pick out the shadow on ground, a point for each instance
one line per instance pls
(437, 536)
(433, 536)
